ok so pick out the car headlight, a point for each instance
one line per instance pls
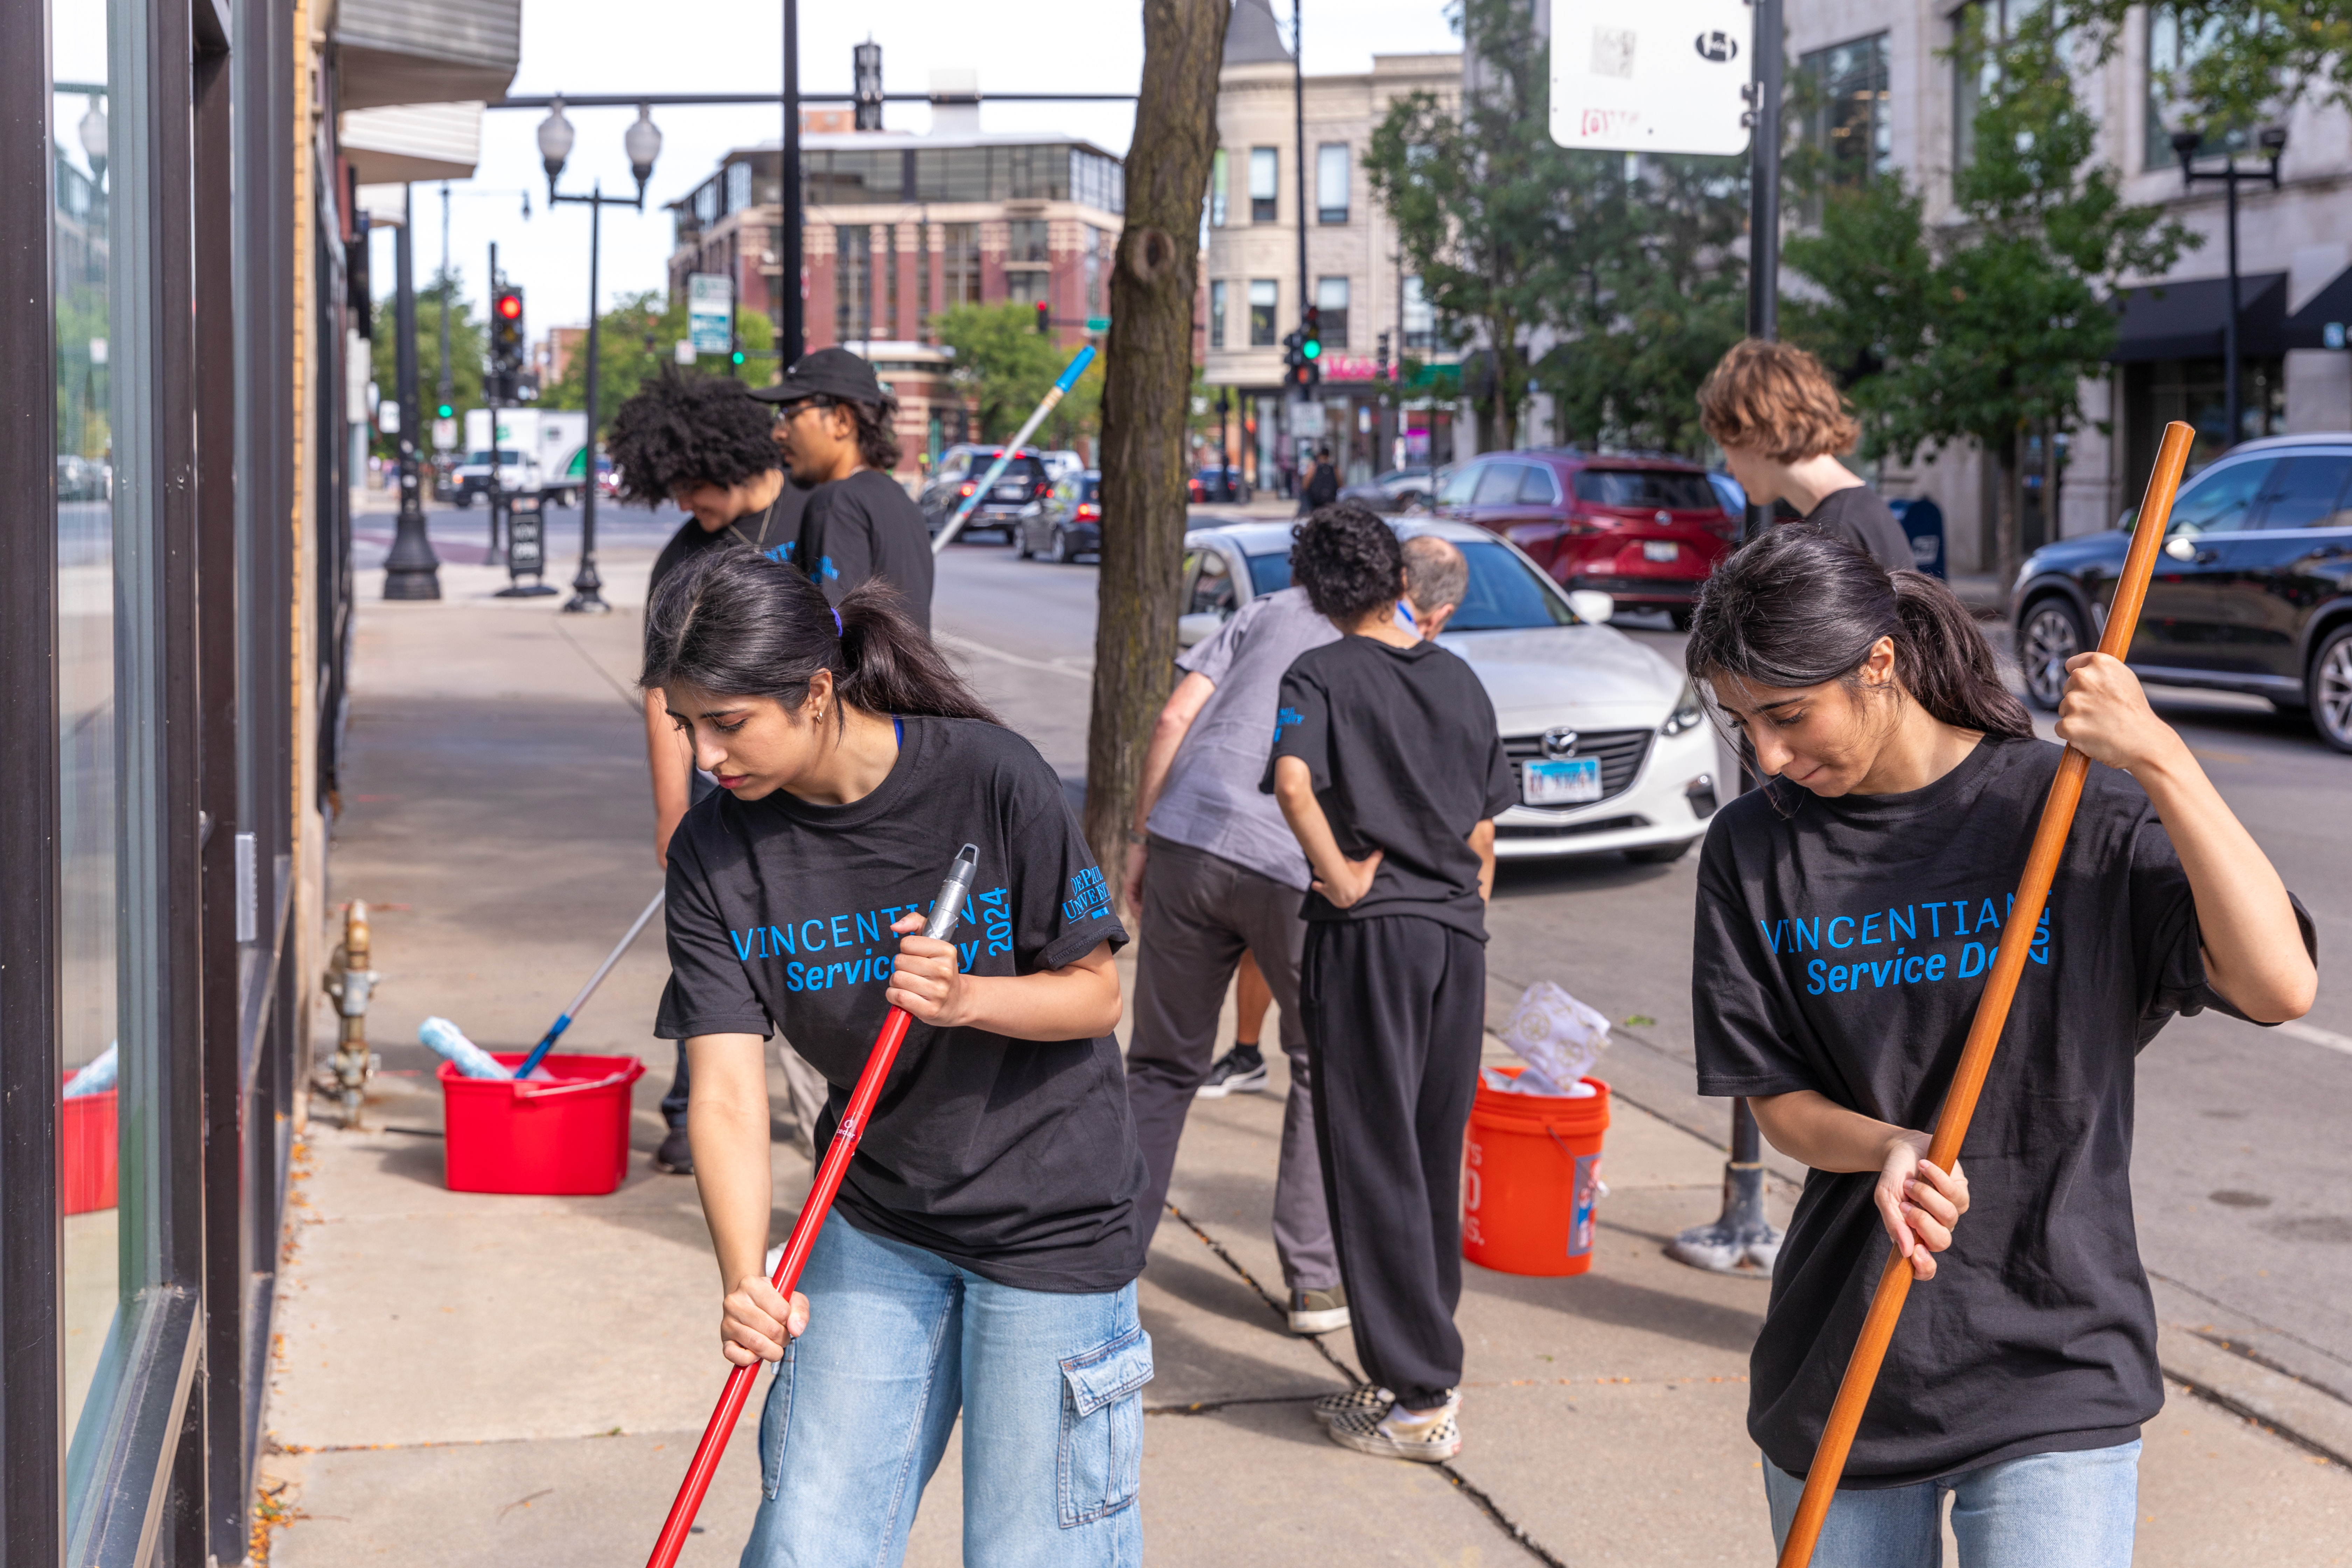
(1688, 713)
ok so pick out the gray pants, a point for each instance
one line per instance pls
(1199, 911)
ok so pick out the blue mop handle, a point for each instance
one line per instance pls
(563, 1019)
(1054, 394)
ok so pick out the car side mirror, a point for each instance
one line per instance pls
(2181, 547)
(1197, 627)
(1592, 606)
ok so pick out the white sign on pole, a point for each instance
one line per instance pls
(685, 351)
(444, 434)
(709, 313)
(1669, 76)
(1307, 420)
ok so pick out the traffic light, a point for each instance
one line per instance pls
(1298, 356)
(506, 329)
(1044, 317)
(444, 411)
(1311, 335)
(736, 350)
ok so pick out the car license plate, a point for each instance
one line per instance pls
(1660, 549)
(1011, 492)
(1570, 783)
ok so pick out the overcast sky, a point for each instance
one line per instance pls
(728, 45)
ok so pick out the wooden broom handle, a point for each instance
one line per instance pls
(2016, 935)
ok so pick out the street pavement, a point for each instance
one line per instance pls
(470, 1379)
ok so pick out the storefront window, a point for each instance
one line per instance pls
(80, 111)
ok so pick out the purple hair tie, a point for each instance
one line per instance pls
(836, 622)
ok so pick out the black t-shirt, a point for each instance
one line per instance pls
(1842, 947)
(1405, 759)
(1856, 515)
(778, 523)
(1015, 1159)
(868, 526)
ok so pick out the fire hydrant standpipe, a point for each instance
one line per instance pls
(351, 982)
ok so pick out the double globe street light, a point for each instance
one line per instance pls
(2186, 143)
(642, 142)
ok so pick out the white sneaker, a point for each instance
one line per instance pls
(1428, 1440)
(1318, 1311)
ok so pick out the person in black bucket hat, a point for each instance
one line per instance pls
(833, 420)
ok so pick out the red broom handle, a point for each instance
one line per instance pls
(1992, 1014)
(836, 1165)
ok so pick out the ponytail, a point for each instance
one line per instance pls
(1797, 608)
(740, 624)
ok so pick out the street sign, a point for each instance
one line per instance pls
(1307, 420)
(444, 434)
(1669, 76)
(709, 313)
(387, 417)
(1097, 323)
(685, 351)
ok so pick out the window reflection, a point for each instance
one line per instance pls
(80, 125)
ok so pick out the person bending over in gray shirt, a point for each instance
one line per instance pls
(1214, 872)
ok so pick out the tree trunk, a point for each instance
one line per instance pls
(1147, 400)
(2006, 519)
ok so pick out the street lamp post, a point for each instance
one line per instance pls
(642, 142)
(412, 570)
(791, 329)
(2185, 143)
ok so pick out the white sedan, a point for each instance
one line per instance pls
(1608, 744)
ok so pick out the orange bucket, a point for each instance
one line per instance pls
(1530, 1172)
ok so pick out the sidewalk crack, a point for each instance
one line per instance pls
(1462, 1484)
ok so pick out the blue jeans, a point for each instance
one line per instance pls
(899, 1340)
(2045, 1510)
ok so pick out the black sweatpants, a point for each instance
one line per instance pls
(1395, 1007)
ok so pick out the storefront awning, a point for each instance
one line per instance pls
(2307, 328)
(425, 51)
(2185, 319)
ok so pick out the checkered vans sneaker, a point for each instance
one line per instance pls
(1364, 1400)
(1389, 1437)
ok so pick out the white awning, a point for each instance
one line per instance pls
(425, 51)
(411, 142)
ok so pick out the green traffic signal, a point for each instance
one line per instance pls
(739, 356)
(1312, 349)
(447, 411)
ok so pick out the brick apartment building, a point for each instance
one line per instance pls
(899, 226)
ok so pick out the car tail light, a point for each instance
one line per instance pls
(1089, 510)
(967, 489)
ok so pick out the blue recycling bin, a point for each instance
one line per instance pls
(1922, 522)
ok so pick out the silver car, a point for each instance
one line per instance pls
(1608, 744)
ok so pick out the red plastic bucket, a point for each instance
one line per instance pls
(86, 1145)
(564, 1137)
(1530, 1172)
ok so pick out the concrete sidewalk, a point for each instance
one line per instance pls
(473, 1380)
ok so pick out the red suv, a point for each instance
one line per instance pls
(1646, 531)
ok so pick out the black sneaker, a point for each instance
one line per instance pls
(1241, 1070)
(676, 1155)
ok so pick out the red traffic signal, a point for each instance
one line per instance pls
(1044, 317)
(509, 305)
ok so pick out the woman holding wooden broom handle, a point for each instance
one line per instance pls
(1849, 912)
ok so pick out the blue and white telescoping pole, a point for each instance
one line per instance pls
(563, 1020)
(1069, 379)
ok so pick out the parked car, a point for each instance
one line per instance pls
(1399, 490)
(1215, 484)
(1609, 745)
(1024, 486)
(1645, 529)
(1070, 522)
(1060, 464)
(2252, 593)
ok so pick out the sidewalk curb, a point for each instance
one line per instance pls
(2309, 1416)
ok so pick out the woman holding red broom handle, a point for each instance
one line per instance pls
(985, 1245)
(1847, 914)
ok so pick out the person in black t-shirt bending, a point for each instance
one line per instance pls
(1782, 423)
(1848, 912)
(1388, 767)
(983, 1249)
(834, 421)
(700, 442)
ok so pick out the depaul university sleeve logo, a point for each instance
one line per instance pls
(1286, 718)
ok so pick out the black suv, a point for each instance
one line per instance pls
(1019, 491)
(2253, 593)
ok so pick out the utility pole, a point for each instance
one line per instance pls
(447, 387)
(587, 597)
(1744, 1234)
(1298, 153)
(412, 570)
(494, 556)
(791, 333)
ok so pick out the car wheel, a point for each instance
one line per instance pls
(2331, 689)
(1659, 854)
(1063, 555)
(2052, 634)
(464, 501)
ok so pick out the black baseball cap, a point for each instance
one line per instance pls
(826, 372)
